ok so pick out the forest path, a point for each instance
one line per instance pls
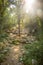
(14, 54)
(17, 50)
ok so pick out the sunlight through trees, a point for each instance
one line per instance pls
(21, 27)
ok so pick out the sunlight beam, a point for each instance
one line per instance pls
(29, 5)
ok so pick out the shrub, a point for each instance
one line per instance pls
(4, 48)
(34, 52)
(3, 51)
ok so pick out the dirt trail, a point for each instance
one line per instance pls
(13, 58)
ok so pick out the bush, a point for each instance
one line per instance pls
(3, 51)
(4, 48)
(34, 52)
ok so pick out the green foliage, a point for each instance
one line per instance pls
(4, 49)
(33, 51)
(15, 42)
(3, 36)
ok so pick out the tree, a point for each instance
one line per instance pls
(3, 5)
(19, 7)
